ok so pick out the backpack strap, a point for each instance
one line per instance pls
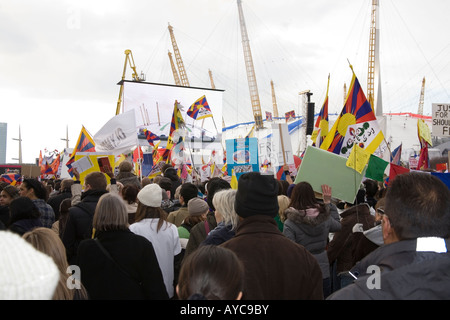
(206, 227)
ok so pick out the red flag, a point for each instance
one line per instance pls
(395, 170)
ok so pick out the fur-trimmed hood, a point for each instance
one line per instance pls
(312, 216)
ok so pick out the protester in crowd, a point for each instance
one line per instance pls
(151, 222)
(371, 188)
(126, 176)
(145, 181)
(227, 219)
(283, 186)
(59, 226)
(169, 205)
(166, 184)
(8, 194)
(79, 223)
(118, 264)
(341, 250)
(309, 223)
(129, 195)
(171, 173)
(48, 242)
(413, 263)
(211, 273)
(283, 204)
(197, 208)
(25, 273)
(201, 230)
(275, 267)
(64, 192)
(188, 191)
(24, 216)
(35, 190)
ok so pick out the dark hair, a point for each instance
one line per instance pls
(188, 191)
(418, 205)
(12, 191)
(213, 272)
(129, 193)
(371, 187)
(37, 186)
(283, 186)
(96, 180)
(165, 183)
(64, 207)
(215, 184)
(146, 212)
(22, 208)
(303, 196)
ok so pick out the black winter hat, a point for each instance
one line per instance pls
(256, 194)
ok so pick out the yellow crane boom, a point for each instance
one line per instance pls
(174, 70)
(422, 97)
(176, 51)
(128, 60)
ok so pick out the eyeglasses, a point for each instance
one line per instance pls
(380, 210)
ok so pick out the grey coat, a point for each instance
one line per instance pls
(312, 232)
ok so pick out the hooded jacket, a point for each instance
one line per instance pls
(311, 228)
(405, 273)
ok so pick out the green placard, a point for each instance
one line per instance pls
(320, 167)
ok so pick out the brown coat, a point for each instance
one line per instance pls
(344, 244)
(276, 268)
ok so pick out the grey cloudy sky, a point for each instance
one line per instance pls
(60, 61)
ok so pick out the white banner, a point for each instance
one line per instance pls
(118, 135)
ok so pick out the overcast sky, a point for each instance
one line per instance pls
(60, 61)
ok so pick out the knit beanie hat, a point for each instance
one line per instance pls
(25, 273)
(150, 195)
(256, 194)
(197, 206)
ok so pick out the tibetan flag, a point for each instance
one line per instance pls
(85, 143)
(290, 115)
(12, 178)
(177, 118)
(200, 109)
(150, 136)
(356, 124)
(269, 116)
(321, 126)
(396, 155)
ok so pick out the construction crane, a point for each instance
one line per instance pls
(128, 60)
(274, 101)
(422, 96)
(174, 70)
(251, 78)
(176, 51)
(374, 62)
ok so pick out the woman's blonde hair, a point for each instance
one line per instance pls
(223, 201)
(283, 204)
(110, 213)
(48, 242)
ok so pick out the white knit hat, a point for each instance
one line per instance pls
(150, 195)
(25, 273)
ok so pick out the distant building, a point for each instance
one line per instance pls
(3, 134)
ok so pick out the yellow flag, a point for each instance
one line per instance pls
(424, 131)
(358, 158)
(234, 181)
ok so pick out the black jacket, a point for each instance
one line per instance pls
(405, 274)
(79, 222)
(55, 201)
(140, 278)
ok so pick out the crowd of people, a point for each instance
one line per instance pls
(267, 239)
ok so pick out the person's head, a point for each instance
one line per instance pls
(165, 183)
(33, 189)
(47, 241)
(213, 272)
(224, 204)
(149, 204)
(95, 181)
(198, 209)
(256, 195)
(417, 205)
(23, 208)
(379, 209)
(64, 206)
(66, 184)
(214, 185)
(8, 194)
(110, 213)
(283, 186)
(303, 196)
(129, 193)
(371, 187)
(125, 166)
(188, 191)
(283, 204)
(171, 173)
(25, 273)
(145, 181)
